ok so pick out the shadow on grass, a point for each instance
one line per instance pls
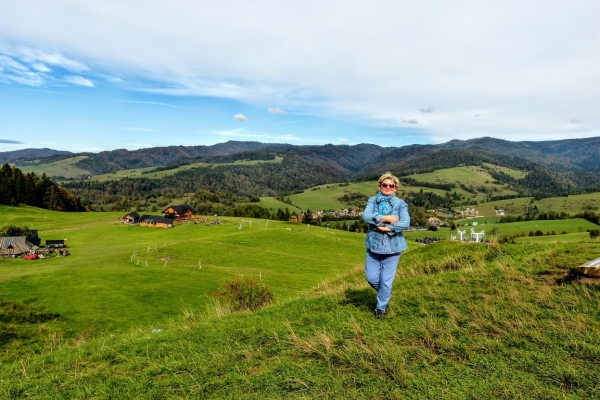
(363, 299)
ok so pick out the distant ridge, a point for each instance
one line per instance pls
(29, 154)
(573, 155)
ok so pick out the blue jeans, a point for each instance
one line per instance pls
(380, 270)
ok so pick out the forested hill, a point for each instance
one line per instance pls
(30, 154)
(116, 160)
(571, 154)
(565, 155)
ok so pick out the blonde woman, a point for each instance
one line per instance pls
(387, 216)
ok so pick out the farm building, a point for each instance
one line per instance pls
(154, 221)
(55, 243)
(15, 246)
(180, 212)
(131, 218)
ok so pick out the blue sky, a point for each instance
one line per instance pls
(94, 76)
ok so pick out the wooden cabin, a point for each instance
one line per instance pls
(131, 218)
(181, 212)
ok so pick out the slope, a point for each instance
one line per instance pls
(467, 321)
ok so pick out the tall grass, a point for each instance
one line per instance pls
(492, 322)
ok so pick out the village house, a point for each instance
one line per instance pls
(433, 221)
(468, 212)
(154, 221)
(15, 246)
(181, 212)
(131, 218)
(296, 218)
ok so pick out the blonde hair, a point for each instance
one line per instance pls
(388, 175)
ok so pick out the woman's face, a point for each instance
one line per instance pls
(387, 187)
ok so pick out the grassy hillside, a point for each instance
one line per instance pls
(466, 321)
(326, 197)
(65, 168)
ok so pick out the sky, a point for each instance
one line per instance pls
(82, 75)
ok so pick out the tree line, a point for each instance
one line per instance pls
(19, 188)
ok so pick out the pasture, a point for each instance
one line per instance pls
(65, 168)
(119, 276)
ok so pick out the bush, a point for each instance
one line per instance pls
(594, 233)
(244, 293)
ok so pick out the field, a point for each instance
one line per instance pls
(119, 276)
(469, 176)
(466, 321)
(64, 168)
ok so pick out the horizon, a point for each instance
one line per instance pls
(89, 79)
(289, 144)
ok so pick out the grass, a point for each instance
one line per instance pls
(466, 321)
(120, 276)
(64, 168)
(272, 204)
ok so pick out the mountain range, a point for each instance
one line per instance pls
(565, 155)
(550, 168)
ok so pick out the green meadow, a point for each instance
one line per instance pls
(64, 168)
(466, 320)
(119, 276)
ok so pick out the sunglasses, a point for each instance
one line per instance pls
(385, 185)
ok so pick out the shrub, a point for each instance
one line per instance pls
(594, 233)
(244, 293)
(539, 233)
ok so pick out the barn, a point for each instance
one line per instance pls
(154, 221)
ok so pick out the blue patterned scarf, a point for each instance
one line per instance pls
(384, 203)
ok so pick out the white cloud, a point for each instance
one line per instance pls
(9, 63)
(277, 111)
(79, 80)
(35, 56)
(240, 117)
(523, 67)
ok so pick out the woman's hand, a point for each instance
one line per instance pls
(383, 229)
(389, 219)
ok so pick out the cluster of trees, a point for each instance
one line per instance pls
(13, 230)
(18, 188)
(532, 215)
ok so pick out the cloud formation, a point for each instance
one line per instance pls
(276, 111)
(523, 68)
(240, 117)
(79, 80)
(10, 141)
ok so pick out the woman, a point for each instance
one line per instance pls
(387, 217)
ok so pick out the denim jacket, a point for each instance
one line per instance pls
(371, 216)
